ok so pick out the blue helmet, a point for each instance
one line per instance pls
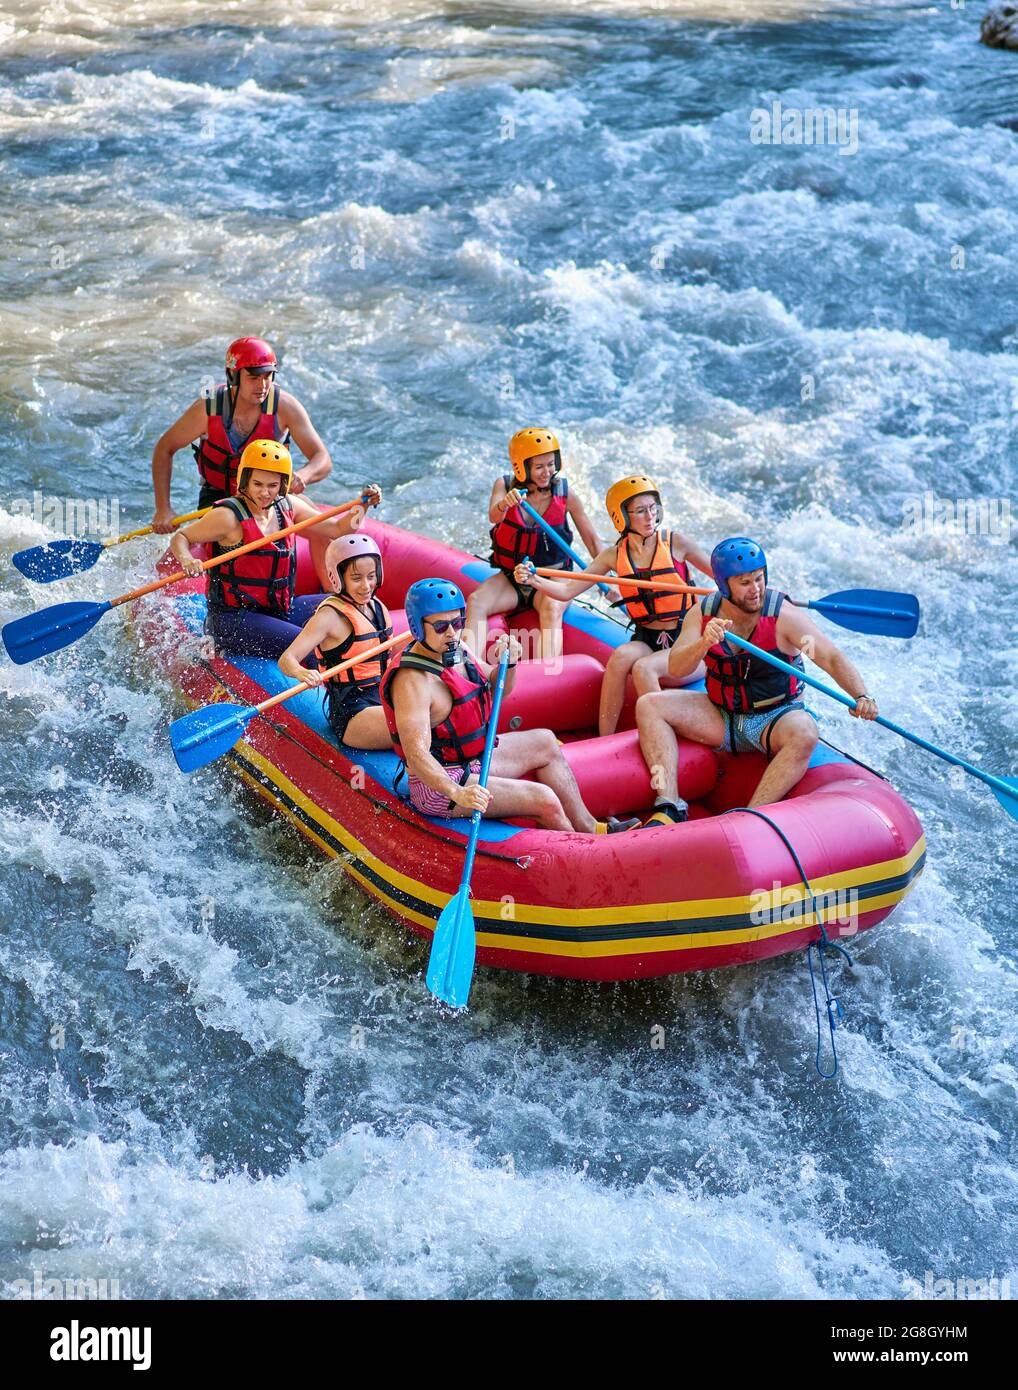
(737, 555)
(429, 596)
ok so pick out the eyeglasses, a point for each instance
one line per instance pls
(445, 624)
(642, 511)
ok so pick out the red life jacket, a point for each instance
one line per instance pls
(740, 682)
(645, 605)
(261, 581)
(367, 632)
(459, 738)
(215, 456)
(516, 537)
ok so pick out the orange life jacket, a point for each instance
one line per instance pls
(367, 632)
(652, 605)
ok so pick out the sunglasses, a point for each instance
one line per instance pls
(445, 624)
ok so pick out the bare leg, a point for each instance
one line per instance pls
(512, 797)
(613, 686)
(495, 595)
(537, 751)
(662, 715)
(550, 611)
(792, 742)
(648, 671)
(368, 729)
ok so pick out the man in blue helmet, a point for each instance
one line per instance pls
(437, 700)
(750, 706)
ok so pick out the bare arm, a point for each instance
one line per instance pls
(565, 589)
(294, 417)
(690, 645)
(798, 633)
(324, 626)
(340, 525)
(500, 501)
(185, 430)
(685, 549)
(218, 525)
(584, 526)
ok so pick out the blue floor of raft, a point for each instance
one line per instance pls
(309, 708)
(383, 767)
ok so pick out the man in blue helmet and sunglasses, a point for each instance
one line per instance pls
(750, 706)
(437, 700)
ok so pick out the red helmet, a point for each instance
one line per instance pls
(254, 353)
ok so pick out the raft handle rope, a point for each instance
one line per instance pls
(832, 1007)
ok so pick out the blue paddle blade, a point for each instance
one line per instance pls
(1008, 801)
(453, 947)
(38, 634)
(875, 611)
(58, 560)
(204, 735)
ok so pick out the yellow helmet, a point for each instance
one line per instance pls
(527, 444)
(624, 491)
(270, 457)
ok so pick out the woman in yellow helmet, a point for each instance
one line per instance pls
(537, 477)
(644, 550)
(251, 608)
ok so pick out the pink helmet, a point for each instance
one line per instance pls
(351, 547)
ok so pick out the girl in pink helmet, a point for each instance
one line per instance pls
(349, 621)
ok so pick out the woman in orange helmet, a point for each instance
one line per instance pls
(644, 550)
(218, 425)
(537, 477)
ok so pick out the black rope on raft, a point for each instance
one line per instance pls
(832, 1006)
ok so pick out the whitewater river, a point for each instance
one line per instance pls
(220, 1071)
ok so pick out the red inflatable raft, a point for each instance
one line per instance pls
(719, 890)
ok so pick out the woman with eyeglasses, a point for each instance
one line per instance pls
(643, 550)
(437, 699)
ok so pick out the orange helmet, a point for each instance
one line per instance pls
(527, 444)
(270, 457)
(624, 491)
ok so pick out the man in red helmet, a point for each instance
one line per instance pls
(248, 406)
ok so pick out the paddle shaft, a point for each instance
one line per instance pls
(560, 541)
(997, 783)
(482, 781)
(240, 550)
(147, 530)
(333, 671)
(661, 584)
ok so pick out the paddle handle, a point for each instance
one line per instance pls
(661, 584)
(482, 781)
(560, 541)
(240, 550)
(334, 671)
(147, 530)
(997, 783)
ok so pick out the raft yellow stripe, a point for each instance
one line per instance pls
(533, 915)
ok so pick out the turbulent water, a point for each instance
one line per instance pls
(220, 1072)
